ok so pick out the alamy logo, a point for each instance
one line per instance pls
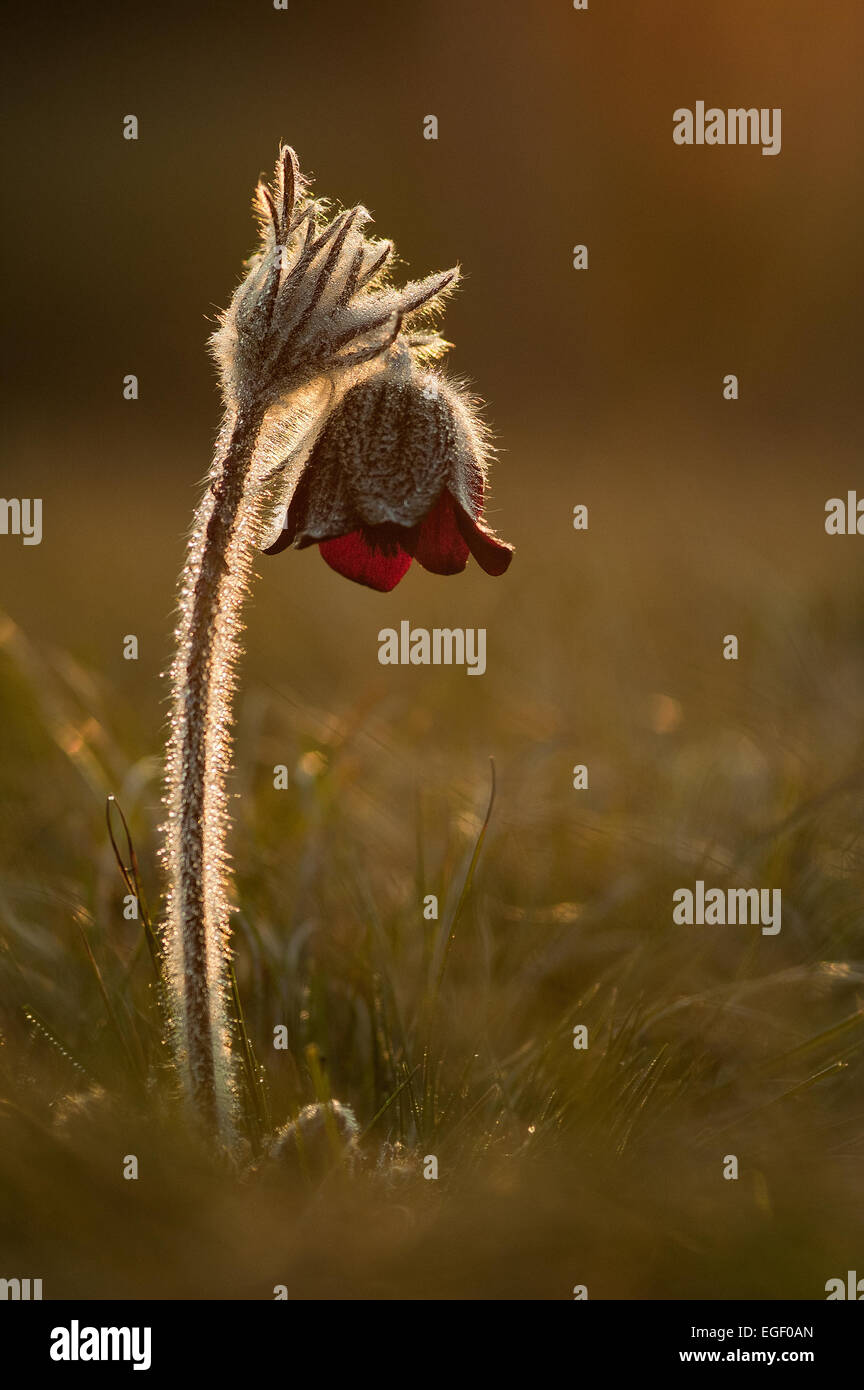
(850, 1287)
(19, 1290)
(719, 907)
(738, 126)
(75, 1343)
(443, 646)
(22, 516)
(845, 515)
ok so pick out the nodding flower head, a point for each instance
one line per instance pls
(315, 301)
(398, 472)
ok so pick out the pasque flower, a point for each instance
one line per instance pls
(397, 473)
(330, 401)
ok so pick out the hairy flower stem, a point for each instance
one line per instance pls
(198, 945)
(312, 310)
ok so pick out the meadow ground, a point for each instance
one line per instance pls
(557, 1166)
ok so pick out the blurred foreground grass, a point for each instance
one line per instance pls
(557, 1167)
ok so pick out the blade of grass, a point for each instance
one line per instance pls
(132, 879)
(444, 949)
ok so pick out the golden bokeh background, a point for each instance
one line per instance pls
(603, 387)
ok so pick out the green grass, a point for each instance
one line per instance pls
(454, 1037)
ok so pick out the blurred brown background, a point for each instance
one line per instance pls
(604, 647)
(602, 386)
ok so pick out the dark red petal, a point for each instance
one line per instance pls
(440, 546)
(355, 557)
(490, 553)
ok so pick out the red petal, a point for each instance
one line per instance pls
(357, 559)
(440, 547)
(490, 553)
